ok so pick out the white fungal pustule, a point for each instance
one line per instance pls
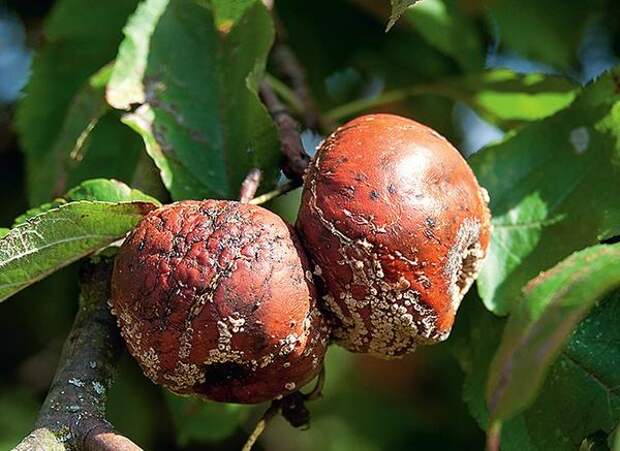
(387, 318)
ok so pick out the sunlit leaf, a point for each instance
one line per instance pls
(107, 191)
(201, 118)
(503, 97)
(398, 8)
(553, 185)
(509, 99)
(537, 330)
(580, 395)
(97, 189)
(57, 237)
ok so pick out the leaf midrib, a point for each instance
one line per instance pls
(6, 263)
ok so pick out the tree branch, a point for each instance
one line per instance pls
(296, 158)
(288, 65)
(73, 414)
(286, 62)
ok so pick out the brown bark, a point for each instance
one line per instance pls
(73, 414)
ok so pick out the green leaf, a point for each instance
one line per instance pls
(198, 421)
(365, 49)
(474, 340)
(580, 395)
(445, 26)
(108, 191)
(552, 306)
(113, 151)
(174, 174)
(51, 170)
(125, 87)
(93, 142)
(55, 238)
(62, 101)
(503, 97)
(509, 99)
(398, 8)
(3, 232)
(201, 118)
(96, 189)
(553, 185)
(551, 34)
(32, 212)
(85, 110)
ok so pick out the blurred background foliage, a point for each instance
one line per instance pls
(368, 404)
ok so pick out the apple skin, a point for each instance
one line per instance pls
(215, 299)
(396, 225)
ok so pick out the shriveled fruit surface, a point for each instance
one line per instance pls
(213, 298)
(396, 224)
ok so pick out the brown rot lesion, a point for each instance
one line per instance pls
(464, 260)
(470, 265)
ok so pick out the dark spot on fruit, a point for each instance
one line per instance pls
(430, 233)
(220, 373)
(374, 195)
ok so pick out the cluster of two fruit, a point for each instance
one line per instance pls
(218, 299)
